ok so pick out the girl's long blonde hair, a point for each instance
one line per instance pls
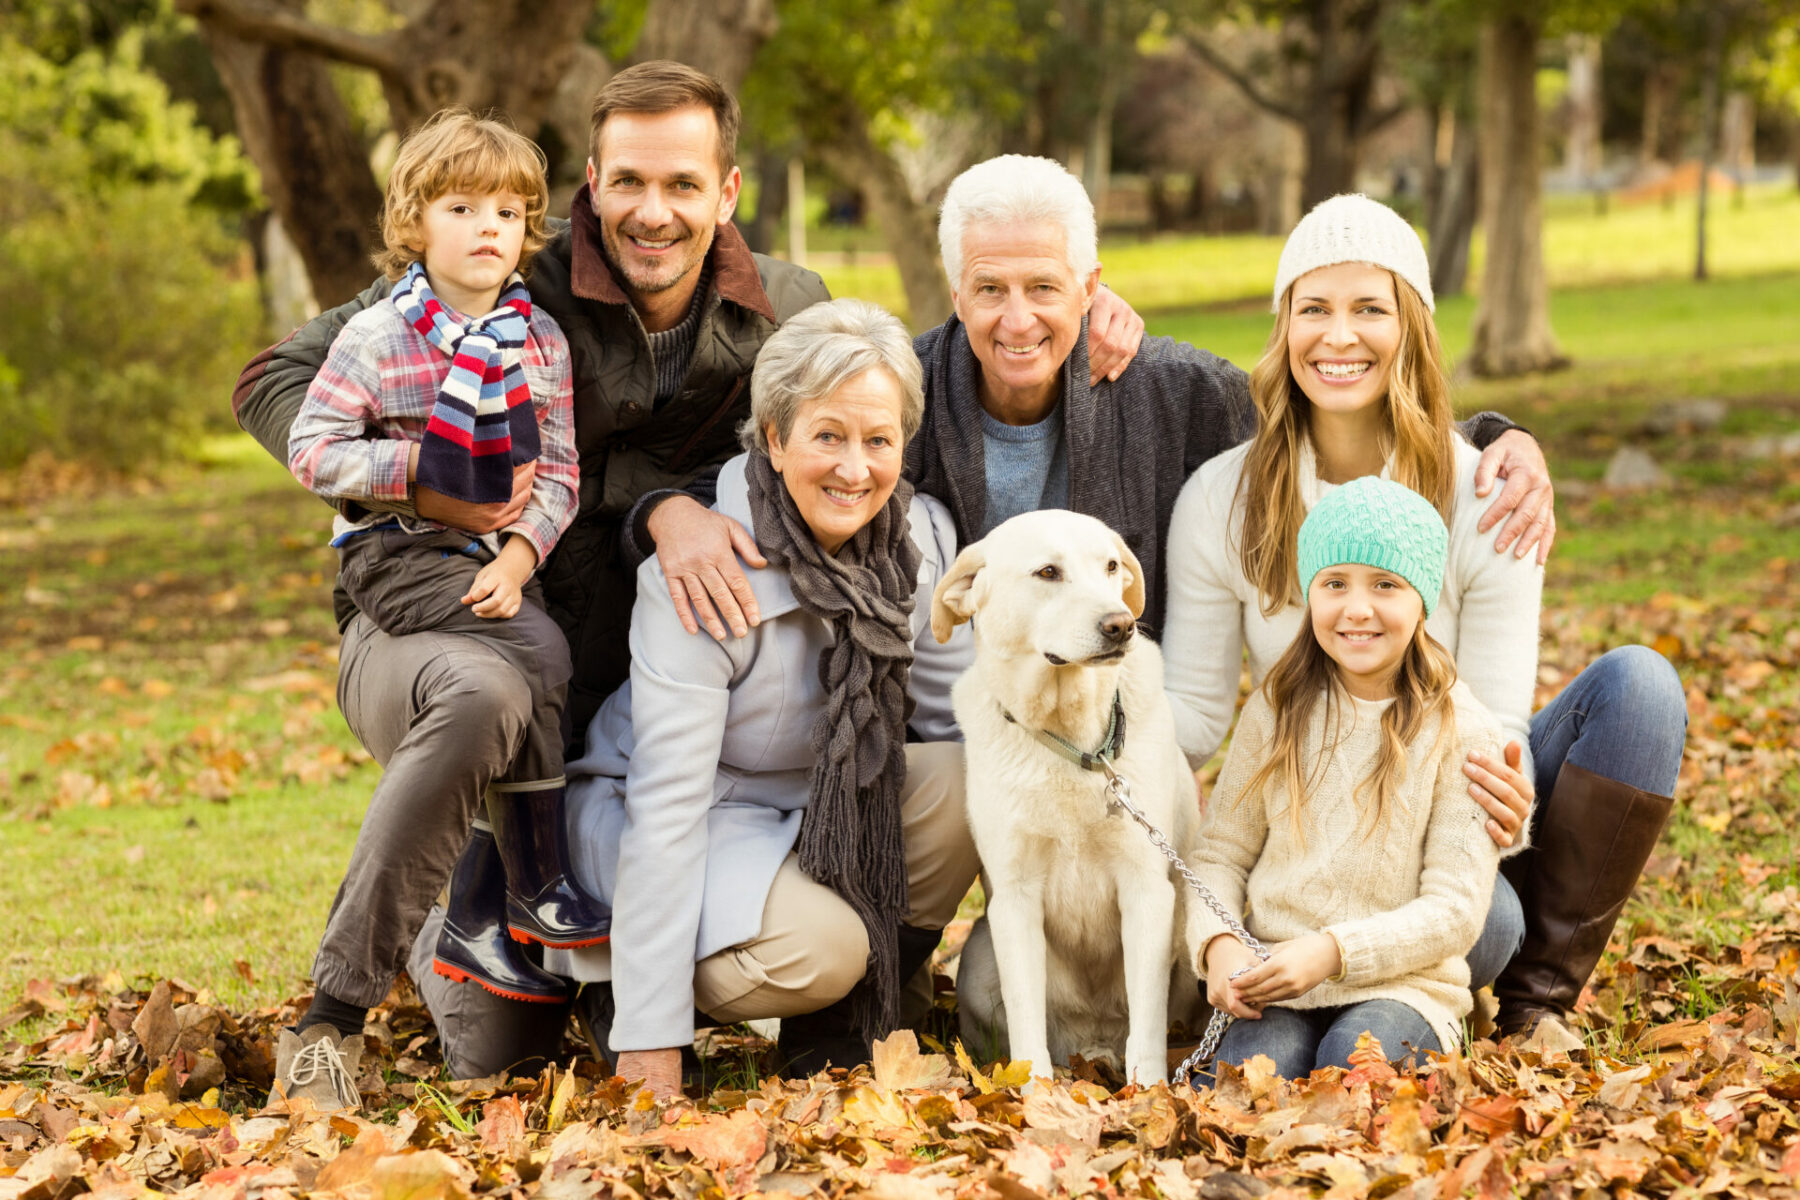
(1306, 676)
(1417, 440)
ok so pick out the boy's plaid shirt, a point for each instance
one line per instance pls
(382, 377)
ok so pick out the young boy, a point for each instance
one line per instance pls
(448, 386)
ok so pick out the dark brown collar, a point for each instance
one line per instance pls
(735, 276)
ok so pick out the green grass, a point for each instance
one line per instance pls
(177, 790)
(1582, 249)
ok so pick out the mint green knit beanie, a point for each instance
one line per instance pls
(1378, 523)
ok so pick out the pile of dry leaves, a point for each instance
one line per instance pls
(129, 1094)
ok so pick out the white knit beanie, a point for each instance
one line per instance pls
(1354, 228)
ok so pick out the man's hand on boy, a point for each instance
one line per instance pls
(477, 518)
(1293, 969)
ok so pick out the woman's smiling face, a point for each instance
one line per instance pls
(842, 457)
(1343, 335)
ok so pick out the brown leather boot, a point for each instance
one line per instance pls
(1588, 848)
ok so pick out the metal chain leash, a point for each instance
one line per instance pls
(1119, 794)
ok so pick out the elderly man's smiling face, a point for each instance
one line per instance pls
(1021, 304)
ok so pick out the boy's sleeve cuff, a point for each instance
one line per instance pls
(387, 473)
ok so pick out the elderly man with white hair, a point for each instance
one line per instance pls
(1013, 419)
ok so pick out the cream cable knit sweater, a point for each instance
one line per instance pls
(1404, 902)
(1487, 616)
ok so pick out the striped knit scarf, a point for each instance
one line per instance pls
(482, 424)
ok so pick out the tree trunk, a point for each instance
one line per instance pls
(770, 167)
(720, 37)
(1339, 104)
(1581, 157)
(315, 170)
(1331, 151)
(1512, 333)
(906, 225)
(1656, 99)
(1737, 135)
(1709, 134)
(1452, 217)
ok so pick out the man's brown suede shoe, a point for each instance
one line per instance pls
(318, 1066)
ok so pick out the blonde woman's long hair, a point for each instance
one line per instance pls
(1416, 439)
(1306, 676)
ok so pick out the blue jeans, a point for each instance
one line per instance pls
(1300, 1040)
(1624, 717)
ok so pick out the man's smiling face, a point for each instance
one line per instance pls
(660, 197)
(1022, 305)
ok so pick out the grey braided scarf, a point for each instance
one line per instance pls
(850, 836)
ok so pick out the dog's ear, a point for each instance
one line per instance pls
(954, 600)
(1134, 587)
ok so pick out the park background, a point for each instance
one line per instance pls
(1610, 192)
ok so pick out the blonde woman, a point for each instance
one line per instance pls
(1352, 383)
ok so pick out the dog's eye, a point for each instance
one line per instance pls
(1050, 572)
(1112, 566)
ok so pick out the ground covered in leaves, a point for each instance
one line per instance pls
(129, 1094)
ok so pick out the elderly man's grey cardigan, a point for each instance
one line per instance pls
(1131, 443)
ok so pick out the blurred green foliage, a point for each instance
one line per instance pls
(130, 301)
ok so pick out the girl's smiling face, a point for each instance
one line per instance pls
(1364, 618)
(841, 459)
(1343, 335)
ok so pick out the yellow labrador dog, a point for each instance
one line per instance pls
(1082, 921)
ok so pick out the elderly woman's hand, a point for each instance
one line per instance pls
(659, 1069)
(1115, 332)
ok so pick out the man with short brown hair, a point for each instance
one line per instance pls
(664, 308)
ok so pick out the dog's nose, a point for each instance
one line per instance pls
(1117, 627)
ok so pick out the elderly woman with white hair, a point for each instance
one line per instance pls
(770, 843)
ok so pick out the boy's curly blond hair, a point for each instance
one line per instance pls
(456, 151)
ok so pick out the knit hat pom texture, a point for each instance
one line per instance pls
(1381, 524)
(1353, 228)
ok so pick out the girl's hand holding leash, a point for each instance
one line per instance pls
(1227, 959)
(1294, 969)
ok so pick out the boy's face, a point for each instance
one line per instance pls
(658, 193)
(471, 242)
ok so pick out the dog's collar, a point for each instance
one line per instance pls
(1110, 746)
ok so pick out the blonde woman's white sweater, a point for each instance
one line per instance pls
(1486, 617)
(1404, 900)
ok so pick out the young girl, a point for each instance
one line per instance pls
(1341, 822)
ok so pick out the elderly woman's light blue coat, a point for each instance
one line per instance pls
(696, 774)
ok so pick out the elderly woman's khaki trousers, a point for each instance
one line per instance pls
(812, 948)
(810, 952)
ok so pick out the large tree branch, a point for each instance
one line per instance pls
(277, 27)
(1241, 79)
(1372, 121)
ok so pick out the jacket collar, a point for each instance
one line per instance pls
(735, 276)
(773, 587)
